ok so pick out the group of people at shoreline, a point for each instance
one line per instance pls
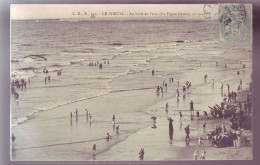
(186, 88)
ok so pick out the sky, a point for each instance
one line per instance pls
(62, 11)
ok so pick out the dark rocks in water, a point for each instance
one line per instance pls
(180, 41)
(117, 44)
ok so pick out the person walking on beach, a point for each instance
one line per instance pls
(152, 72)
(45, 79)
(167, 106)
(187, 131)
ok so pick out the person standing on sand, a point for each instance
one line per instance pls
(90, 117)
(152, 72)
(117, 129)
(205, 77)
(141, 154)
(228, 87)
(167, 106)
(94, 148)
(86, 112)
(114, 119)
(108, 136)
(187, 131)
(13, 138)
(76, 112)
(204, 127)
(180, 115)
(170, 128)
(170, 124)
(70, 115)
(191, 109)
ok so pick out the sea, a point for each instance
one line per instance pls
(128, 50)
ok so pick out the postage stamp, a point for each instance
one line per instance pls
(235, 23)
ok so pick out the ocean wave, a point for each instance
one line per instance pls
(77, 142)
(34, 114)
(37, 57)
(26, 45)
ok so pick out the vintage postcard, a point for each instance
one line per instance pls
(116, 82)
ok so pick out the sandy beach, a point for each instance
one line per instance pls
(125, 87)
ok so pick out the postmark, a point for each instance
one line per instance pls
(235, 23)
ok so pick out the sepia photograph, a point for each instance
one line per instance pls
(131, 82)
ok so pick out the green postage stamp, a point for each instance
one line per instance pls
(235, 23)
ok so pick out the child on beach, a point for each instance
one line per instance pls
(108, 136)
(203, 155)
(196, 155)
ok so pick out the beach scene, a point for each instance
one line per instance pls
(129, 89)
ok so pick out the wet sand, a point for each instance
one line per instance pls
(52, 136)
